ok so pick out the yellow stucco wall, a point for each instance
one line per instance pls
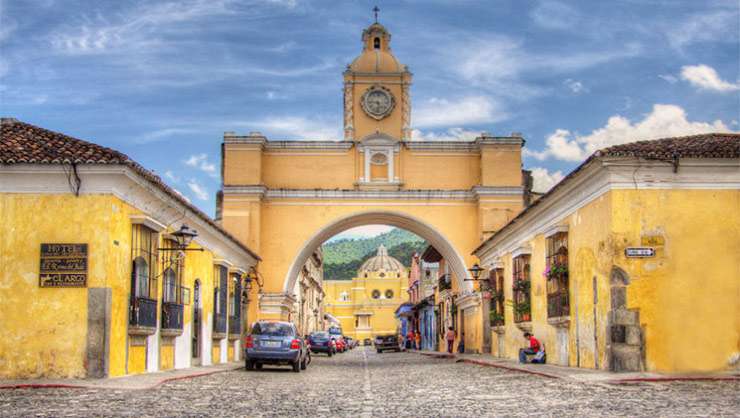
(167, 357)
(688, 296)
(286, 170)
(43, 331)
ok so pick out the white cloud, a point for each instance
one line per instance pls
(358, 232)
(664, 121)
(669, 78)
(715, 26)
(543, 180)
(171, 177)
(575, 86)
(441, 112)
(200, 192)
(554, 15)
(452, 134)
(299, 127)
(706, 78)
(200, 161)
(161, 134)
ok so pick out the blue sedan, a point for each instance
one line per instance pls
(321, 342)
(275, 343)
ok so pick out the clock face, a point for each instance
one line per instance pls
(378, 102)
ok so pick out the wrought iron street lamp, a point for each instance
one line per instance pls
(184, 236)
(475, 271)
(255, 275)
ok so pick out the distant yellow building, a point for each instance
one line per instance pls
(366, 304)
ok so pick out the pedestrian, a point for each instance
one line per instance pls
(412, 339)
(418, 341)
(450, 337)
(534, 346)
(461, 344)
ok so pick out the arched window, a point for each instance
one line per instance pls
(382, 274)
(376, 43)
(344, 296)
(141, 278)
(169, 286)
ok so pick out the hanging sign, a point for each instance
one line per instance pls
(63, 265)
(639, 252)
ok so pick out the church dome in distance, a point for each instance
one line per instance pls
(376, 56)
(382, 261)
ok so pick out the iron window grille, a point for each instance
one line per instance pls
(496, 279)
(522, 289)
(556, 263)
(172, 290)
(220, 300)
(143, 299)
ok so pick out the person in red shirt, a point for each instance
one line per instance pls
(534, 346)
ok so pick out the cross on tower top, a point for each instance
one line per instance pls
(376, 10)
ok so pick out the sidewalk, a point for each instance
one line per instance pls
(576, 374)
(129, 382)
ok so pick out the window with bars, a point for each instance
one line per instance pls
(496, 279)
(143, 301)
(173, 266)
(220, 299)
(556, 273)
(522, 287)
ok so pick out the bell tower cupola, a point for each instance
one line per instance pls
(376, 90)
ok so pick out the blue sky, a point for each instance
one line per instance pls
(162, 80)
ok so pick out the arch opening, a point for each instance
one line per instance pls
(397, 219)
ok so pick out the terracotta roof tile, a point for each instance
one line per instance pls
(24, 143)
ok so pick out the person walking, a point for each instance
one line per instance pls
(418, 341)
(412, 340)
(450, 337)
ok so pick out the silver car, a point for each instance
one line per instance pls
(272, 342)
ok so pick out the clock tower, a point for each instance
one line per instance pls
(376, 90)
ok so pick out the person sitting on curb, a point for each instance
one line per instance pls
(534, 346)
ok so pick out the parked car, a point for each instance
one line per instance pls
(320, 342)
(275, 343)
(336, 335)
(350, 342)
(386, 342)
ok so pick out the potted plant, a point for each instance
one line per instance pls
(496, 318)
(521, 285)
(524, 309)
(556, 271)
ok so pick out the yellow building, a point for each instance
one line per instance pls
(286, 198)
(632, 262)
(366, 304)
(93, 280)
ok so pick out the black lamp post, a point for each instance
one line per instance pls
(184, 236)
(476, 270)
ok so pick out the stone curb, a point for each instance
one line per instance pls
(72, 386)
(570, 379)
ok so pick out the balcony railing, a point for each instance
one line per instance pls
(235, 325)
(445, 282)
(172, 314)
(219, 324)
(557, 304)
(143, 313)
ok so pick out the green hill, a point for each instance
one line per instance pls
(343, 258)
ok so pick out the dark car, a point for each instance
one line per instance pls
(386, 342)
(275, 343)
(320, 342)
(350, 342)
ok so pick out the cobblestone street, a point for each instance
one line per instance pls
(362, 383)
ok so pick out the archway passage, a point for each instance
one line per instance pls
(401, 220)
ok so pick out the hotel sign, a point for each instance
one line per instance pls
(63, 265)
(640, 252)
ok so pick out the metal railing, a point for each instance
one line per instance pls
(235, 325)
(557, 304)
(172, 315)
(445, 282)
(143, 313)
(219, 324)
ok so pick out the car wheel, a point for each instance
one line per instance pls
(304, 363)
(248, 365)
(258, 366)
(297, 366)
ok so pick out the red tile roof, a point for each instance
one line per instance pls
(714, 145)
(24, 143)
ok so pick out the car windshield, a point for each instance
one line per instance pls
(320, 334)
(272, 329)
(336, 331)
